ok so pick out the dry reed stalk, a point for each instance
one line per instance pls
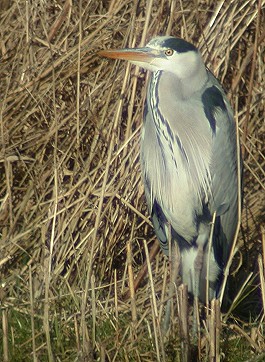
(32, 315)
(156, 323)
(214, 331)
(86, 349)
(46, 307)
(262, 283)
(131, 283)
(155, 249)
(247, 337)
(184, 323)
(93, 311)
(5, 335)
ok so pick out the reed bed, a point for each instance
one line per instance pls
(74, 226)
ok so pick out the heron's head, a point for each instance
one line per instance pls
(164, 53)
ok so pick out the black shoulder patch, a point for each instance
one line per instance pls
(212, 98)
(179, 45)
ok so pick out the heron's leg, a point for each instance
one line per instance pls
(174, 272)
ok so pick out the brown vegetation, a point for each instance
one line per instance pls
(73, 218)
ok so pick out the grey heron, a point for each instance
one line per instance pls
(188, 159)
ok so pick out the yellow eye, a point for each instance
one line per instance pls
(169, 52)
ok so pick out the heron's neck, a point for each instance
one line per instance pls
(195, 82)
(185, 87)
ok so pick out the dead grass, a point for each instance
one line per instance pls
(73, 219)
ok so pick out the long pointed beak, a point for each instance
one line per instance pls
(143, 55)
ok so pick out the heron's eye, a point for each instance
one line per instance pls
(169, 52)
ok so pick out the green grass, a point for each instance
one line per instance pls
(110, 337)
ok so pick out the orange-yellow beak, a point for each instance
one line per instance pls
(141, 55)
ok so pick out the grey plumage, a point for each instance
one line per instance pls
(188, 158)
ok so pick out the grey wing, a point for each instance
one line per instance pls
(224, 171)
